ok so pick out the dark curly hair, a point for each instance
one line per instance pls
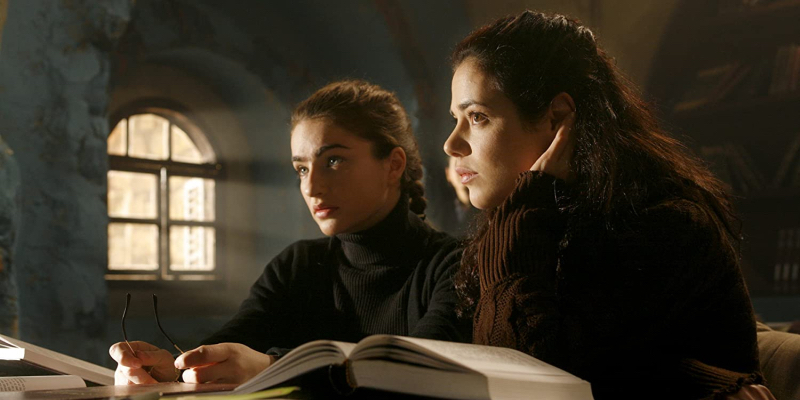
(622, 157)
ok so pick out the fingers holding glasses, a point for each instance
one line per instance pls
(122, 354)
(159, 364)
(216, 373)
(132, 376)
(149, 364)
(222, 363)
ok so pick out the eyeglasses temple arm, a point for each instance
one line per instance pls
(155, 309)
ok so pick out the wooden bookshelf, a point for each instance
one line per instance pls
(765, 125)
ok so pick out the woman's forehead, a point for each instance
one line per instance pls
(311, 137)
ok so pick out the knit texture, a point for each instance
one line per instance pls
(394, 278)
(655, 308)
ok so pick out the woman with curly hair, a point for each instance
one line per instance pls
(607, 249)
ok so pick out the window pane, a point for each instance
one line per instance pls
(183, 149)
(132, 247)
(191, 248)
(149, 137)
(117, 138)
(191, 199)
(132, 195)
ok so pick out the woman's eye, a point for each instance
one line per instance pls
(334, 161)
(477, 118)
(301, 171)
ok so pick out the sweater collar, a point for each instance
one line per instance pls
(385, 243)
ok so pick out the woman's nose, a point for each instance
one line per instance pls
(314, 184)
(456, 145)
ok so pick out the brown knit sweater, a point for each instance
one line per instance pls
(655, 309)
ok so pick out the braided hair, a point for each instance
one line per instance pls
(374, 114)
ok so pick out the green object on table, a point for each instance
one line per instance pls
(264, 394)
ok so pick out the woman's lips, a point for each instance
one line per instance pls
(466, 174)
(324, 212)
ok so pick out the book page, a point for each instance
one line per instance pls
(5, 344)
(26, 383)
(484, 359)
(307, 357)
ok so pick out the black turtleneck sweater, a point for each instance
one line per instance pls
(393, 278)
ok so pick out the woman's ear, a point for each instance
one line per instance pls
(561, 106)
(397, 164)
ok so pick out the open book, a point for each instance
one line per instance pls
(428, 368)
(53, 362)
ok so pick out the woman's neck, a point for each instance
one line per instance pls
(383, 243)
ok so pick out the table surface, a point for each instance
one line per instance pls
(133, 392)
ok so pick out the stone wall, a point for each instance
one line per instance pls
(54, 71)
(9, 216)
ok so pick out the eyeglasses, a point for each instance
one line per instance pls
(155, 310)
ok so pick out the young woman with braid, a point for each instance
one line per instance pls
(380, 270)
(607, 250)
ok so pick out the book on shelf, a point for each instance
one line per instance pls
(790, 165)
(423, 367)
(786, 69)
(756, 83)
(795, 275)
(731, 84)
(706, 86)
(786, 274)
(733, 165)
(18, 356)
(742, 81)
(780, 258)
(751, 175)
(786, 270)
(717, 159)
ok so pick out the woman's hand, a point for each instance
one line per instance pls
(556, 159)
(149, 364)
(222, 363)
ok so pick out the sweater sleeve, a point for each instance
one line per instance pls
(439, 320)
(617, 304)
(261, 319)
(523, 234)
(517, 259)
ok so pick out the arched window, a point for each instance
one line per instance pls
(161, 199)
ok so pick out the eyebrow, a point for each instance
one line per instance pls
(320, 151)
(466, 103)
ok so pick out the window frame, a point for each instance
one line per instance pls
(164, 170)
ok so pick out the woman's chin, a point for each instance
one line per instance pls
(329, 227)
(485, 202)
(477, 200)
